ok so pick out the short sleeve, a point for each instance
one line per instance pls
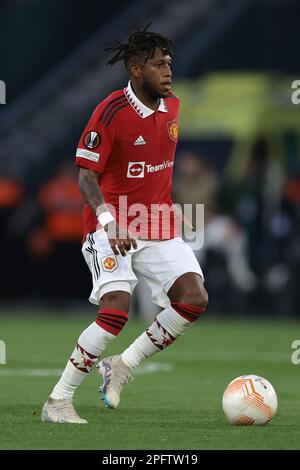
(96, 143)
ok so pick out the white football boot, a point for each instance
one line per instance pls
(115, 375)
(61, 411)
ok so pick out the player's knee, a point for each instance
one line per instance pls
(196, 298)
(201, 299)
(119, 300)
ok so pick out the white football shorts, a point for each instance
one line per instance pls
(159, 262)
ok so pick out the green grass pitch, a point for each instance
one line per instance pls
(177, 407)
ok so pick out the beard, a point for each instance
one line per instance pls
(151, 92)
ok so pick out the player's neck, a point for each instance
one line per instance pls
(144, 97)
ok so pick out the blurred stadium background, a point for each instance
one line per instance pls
(239, 154)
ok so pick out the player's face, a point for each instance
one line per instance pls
(157, 75)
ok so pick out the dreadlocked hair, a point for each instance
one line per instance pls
(139, 43)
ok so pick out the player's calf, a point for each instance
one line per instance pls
(167, 326)
(91, 343)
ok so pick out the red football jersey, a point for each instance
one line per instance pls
(132, 148)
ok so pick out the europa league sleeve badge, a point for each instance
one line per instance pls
(92, 139)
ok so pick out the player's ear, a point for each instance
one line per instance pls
(135, 70)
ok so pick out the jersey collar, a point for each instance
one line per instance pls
(139, 107)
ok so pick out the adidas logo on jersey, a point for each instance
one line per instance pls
(140, 141)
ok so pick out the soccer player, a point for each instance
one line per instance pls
(125, 158)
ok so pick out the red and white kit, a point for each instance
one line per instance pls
(132, 148)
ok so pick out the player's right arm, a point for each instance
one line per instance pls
(89, 188)
(93, 151)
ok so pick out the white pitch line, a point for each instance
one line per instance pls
(149, 368)
(238, 356)
(153, 367)
(6, 372)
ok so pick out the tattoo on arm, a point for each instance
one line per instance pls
(88, 185)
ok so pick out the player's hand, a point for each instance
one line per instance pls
(119, 239)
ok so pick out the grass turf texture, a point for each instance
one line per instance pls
(179, 409)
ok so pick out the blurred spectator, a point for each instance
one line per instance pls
(198, 183)
(11, 247)
(56, 245)
(282, 267)
(62, 203)
(264, 201)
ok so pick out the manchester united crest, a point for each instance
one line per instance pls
(173, 130)
(109, 263)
